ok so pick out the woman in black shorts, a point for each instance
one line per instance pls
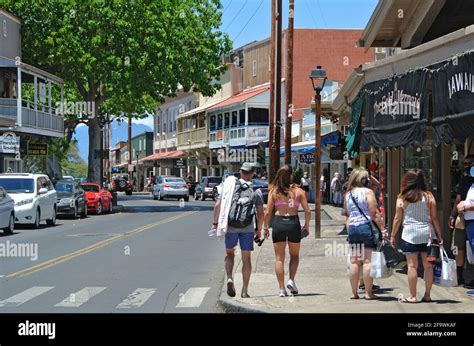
(284, 201)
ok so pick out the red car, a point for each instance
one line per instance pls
(98, 199)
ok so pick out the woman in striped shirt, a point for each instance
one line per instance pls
(416, 210)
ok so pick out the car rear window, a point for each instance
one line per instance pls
(174, 180)
(214, 180)
(18, 185)
(64, 187)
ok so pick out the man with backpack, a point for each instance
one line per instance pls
(245, 204)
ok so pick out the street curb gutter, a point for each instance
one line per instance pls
(233, 307)
(119, 208)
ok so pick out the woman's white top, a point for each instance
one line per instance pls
(469, 214)
(355, 217)
(417, 222)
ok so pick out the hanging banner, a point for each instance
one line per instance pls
(453, 99)
(397, 110)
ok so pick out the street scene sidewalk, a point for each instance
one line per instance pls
(323, 282)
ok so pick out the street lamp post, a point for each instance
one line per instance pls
(318, 78)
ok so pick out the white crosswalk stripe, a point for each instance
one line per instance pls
(137, 298)
(75, 300)
(193, 297)
(25, 296)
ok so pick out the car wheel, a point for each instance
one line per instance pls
(11, 225)
(36, 225)
(98, 211)
(52, 221)
(76, 214)
(160, 197)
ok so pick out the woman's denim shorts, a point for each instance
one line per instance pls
(361, 234)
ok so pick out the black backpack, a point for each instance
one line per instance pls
(242, 208)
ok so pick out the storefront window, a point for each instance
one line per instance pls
(426, 157)
(242, 117)
(258, 116)
(213, 126)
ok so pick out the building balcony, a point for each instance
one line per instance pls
(29, 98)
(192, 139)
(238, 136)
(34, 119)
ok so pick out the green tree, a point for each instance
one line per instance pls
(73, 164)
(123, 56)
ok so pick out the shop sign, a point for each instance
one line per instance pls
(307, 158)
(9, 143)
(179, 163)
(131, 168)
(38, 149)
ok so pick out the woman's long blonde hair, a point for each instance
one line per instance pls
(357, 178)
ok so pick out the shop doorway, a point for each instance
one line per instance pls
(10, 165)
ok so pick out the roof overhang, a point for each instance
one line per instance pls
(400, 23)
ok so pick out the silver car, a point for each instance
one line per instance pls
(171, 187)
(7, 212)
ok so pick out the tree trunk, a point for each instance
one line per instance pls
(93, 173)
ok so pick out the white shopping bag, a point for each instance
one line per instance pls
(469, 254)
(445, 273)
(378, 268)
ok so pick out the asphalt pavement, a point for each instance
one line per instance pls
(153, 256)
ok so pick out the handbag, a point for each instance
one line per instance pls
(394, 258)
(376, 233)
(378, 266)
(433, 255)
(445, 273)
(460, 223)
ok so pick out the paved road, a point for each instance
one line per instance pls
(155, 256)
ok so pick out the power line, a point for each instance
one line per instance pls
(225, 9)
(322, 15)
(235, 17)
(311, 13)
(251, 17)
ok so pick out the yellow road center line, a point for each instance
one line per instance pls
(95, 246)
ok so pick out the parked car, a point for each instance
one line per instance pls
(205, 188)
(171, 187)
(7, 212)
(34, 195)
(98, 199)
(71, 199)
(80, 180)
(68, 177)
(121, 182)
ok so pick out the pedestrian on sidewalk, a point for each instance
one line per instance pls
(284, 201)
(416, 211)
(456, 224)
(361, 210)
(466, 207)
(305, 183)
(239, 224)
(336, 189)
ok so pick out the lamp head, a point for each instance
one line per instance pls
(318, 78)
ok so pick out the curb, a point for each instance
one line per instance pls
(237, 308)
(119, 209)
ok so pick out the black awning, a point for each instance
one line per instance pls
(457, 126)
(397, 109)
(453, 99)
(393, 136)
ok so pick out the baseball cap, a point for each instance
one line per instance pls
(247, 167)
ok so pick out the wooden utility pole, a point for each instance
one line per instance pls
(289, 83)
(275, 88)
(129, 146)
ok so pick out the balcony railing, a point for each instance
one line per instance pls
(193, 138)
(42, 118)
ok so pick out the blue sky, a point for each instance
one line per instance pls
(249, 20)
(322, 14)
